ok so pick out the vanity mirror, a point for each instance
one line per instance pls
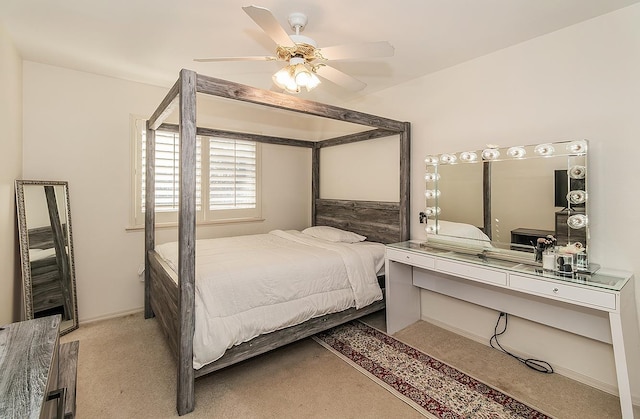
(506, 198)
(46, 251)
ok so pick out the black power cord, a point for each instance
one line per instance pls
(534, 364)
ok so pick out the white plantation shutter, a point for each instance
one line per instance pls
(231, 188)
(232, 174)
(167, 171)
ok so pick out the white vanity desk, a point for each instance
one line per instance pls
(598, 306)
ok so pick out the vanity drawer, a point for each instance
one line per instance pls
(571, 293)
(472, 272)
(410, 258)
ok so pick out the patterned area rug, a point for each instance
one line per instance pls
(432, 387)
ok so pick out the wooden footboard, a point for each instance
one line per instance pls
(164, 299)
(273, 340)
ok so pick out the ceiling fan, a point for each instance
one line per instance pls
(305, 60)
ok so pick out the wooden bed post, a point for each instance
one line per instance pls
(486, 198)
(187, 241)
(164, 109)
(405, 182)
(315, 180)
(149, 215)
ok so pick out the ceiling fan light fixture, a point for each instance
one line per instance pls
(300, 49)
(302, 75)
(295, 76)
(313, 82)
(282, 77)
(292, 89)
(285, 80)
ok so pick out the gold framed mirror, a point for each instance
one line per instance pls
(46, 251)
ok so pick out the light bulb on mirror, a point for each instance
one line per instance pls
(432, 160)
(432, 193)
(544, 150)
(577, 172)
(490, 153)
(516, 152)
(431, 211)
(577, 197)
(468, 156)
(431, 177)
(577, 147)
(448, 158)
(577, 221)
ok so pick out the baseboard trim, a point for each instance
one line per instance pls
(111, 316)
(566, 372)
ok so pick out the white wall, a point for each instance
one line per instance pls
(10, 169)
(579, 82)
(76, 128)
(366, 170)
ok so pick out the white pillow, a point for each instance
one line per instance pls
(459, 233)
(333, 234)
(467, 231)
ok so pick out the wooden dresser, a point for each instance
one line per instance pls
(37, 375)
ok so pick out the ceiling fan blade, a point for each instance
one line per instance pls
(249, 58)
(340, 78)
(363, 50)
(265, 19)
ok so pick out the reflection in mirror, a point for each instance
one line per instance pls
(508, 198)
(46, 251)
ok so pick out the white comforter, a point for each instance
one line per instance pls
(251, 285)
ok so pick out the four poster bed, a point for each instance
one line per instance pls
(172, 294)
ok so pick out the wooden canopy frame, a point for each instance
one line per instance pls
(384, 222)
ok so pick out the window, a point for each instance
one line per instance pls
(227, 178)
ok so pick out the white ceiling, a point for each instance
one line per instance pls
(151, 40)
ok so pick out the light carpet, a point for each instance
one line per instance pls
(126, 370)
(430, 386)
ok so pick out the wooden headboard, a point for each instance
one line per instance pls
(378, 221)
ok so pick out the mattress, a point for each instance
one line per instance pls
(251, 285)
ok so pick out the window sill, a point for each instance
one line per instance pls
(199, 223)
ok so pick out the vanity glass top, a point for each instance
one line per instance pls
(603, 278)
